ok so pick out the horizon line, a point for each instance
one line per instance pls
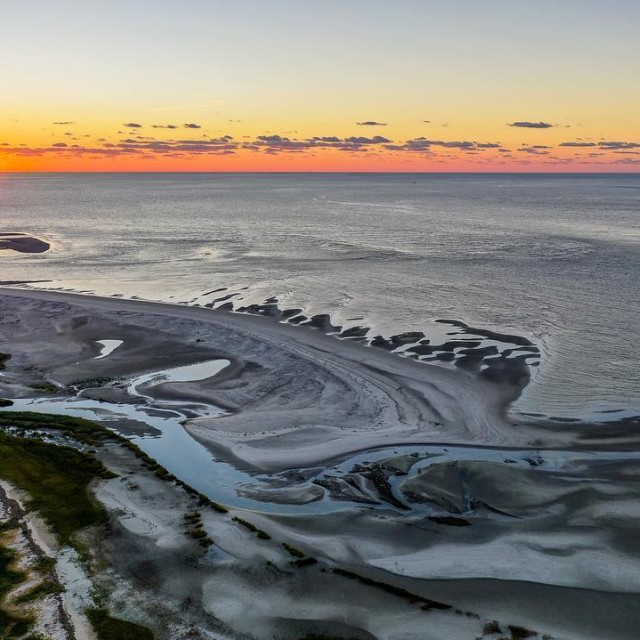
(240, 172)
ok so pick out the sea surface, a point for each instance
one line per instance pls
(555, 258)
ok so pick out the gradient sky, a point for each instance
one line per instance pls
(288, 85)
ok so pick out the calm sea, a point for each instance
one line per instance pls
(554, 258)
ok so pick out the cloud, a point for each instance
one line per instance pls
(618, 145)
(274, 143)
(132, 125)
(577, 144)
(164, 126)
(363, 140)
(65, 122)
(534, 151)
(59, 144)
(531, 125)
(423, 144)
(191, 125)
(372, 123)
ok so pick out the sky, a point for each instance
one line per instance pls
(320, 85)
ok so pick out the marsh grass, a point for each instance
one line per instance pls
(11, 625)
(56, 479)
(263, 535)
(83, 431)
(389, 588)
(109, 628)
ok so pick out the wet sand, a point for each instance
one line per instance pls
(22, 243)
(397, 469)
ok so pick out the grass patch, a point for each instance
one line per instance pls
(396, 591)
(520, 633)
(304, 562)
(321, 636)
(56, 479)
(292, 551)
(84, 431)
(94, 434)
(45, 387)
(11, 626)
(45, 588)
(491, 628)
(263, 535)
(108, 628)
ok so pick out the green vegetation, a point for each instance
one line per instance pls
(45, 588)
(56, 479)
(316, 636)
(263, 535)
(84, 431)
(94, 434)
(11, 626)
(45, 387)
(520, 633)
(389, 588)
(108, 628)
(490, 628)
(95, 382)
(197, 531)
(304, 562)
(296, 553)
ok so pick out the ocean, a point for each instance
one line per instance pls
(554, 258)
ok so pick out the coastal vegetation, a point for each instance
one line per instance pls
(83, 431)
(263, 535)
(11, 625)
(389, 588)
(56, 479)
(109, 628)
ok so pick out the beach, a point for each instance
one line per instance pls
(369, 461)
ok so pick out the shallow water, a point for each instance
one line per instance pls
(108, 347)
(554, 258)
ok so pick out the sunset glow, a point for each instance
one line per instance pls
(320, 86)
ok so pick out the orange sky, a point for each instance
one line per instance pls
(320, 86)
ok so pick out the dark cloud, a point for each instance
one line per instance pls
(423, 144)
(59, 144)
(65, 122)
(531, 125)
(363, 140)
(577, 144)
(426, 121)
(533, 151)
(372, 123)
(618, 145)
(165, 126)
(191, 125)
(132, 125)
